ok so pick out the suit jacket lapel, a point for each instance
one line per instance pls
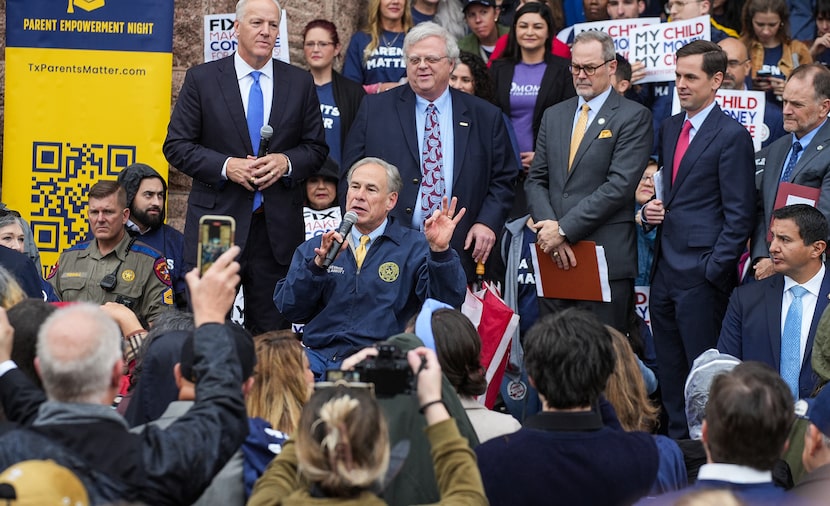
(229, 89)
(774, 295)
(819, 143)
(406, 116)
(278, 102)
(565, 141)
(672, 126)
(461, 125)
(703, 137)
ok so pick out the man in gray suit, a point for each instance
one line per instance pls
(800, 158)
(582, 181)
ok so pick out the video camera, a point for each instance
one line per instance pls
(389, 372)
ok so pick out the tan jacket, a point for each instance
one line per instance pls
(756, 55)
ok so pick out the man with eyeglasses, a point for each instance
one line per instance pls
(590, 154)
(705, 216)
(738, 66)
(445, 143)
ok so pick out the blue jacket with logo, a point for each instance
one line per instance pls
(346, 309)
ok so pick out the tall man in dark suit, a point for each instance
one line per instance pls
(582, 181)
(444, 143)
(764, 321)
(705, 215)
(214, 136)
(806, 105)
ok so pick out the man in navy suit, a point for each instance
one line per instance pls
(753, 328)
(213, 137)
(748, 418)
(705, 216)
(477, 163)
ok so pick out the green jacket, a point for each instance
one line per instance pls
(471, 44)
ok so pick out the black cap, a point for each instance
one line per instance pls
(245, 350)
(485, 3)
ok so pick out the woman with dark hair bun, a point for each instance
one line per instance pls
(339, 97)
(459, 348)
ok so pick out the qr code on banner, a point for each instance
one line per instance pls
(62, 174)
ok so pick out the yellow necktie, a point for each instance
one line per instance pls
(579, 133)
(360, 251)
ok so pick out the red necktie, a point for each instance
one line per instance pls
(680, 150)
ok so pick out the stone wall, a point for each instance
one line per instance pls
(188, 51)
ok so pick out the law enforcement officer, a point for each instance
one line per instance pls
(113, 267)
(379, 280)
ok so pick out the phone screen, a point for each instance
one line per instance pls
(215, 237)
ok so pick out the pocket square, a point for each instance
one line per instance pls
(605, 134)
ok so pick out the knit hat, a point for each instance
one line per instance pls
(131, 176)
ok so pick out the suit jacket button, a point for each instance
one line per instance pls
(415, 181)
(408, 210)
(565, 195)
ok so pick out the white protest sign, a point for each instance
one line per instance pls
(656, 45)
(617, 29)
(220, 39)
(744, 106)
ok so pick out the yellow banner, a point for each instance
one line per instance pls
(73, 117)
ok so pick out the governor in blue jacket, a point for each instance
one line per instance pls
(381, 276)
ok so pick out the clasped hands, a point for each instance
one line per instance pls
(257, 173)
(553, 243)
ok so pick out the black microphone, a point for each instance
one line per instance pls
(345, 227)
(265, 134)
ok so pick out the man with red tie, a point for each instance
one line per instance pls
(704, 217)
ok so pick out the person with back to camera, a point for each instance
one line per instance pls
(341, 448)
(459, 347)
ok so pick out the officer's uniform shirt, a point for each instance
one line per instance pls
(142, 280)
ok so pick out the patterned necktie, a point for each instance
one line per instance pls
(791, 341)
(255, 115)
(360, 251)
(578, 134)
(680, 149)
(432, 183)
(785, 177)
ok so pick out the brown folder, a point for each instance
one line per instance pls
(583, 282)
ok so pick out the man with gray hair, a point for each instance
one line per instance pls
(444, 142)
(381, 277)
(590, 154)
(79, 359)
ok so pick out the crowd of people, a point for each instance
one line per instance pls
(459, 137)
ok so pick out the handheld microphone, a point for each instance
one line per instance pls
(265, 134)
(345, 227)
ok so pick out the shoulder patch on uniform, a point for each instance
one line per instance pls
(162, 272)
(52, 272)
(167, 297)
(146, 249)
(79, 246)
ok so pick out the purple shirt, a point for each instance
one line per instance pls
(524, 89)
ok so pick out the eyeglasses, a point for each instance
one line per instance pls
(679, 5)
(321, 45)
(432, 60)
(589, 70)
(646, 179)
(735, 63)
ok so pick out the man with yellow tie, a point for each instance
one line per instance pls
(381, 276)
(591, 152)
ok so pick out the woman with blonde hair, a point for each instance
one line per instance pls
(341, 450)
(626, 391)
(283, 383)
(374, 57)
(10, 291)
